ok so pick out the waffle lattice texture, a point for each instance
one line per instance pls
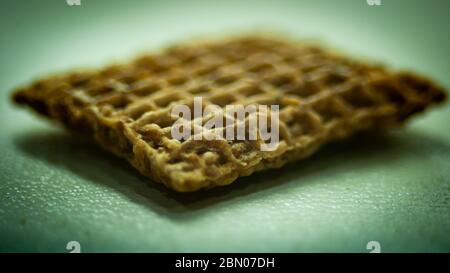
(322, 97)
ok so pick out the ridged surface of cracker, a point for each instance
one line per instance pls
(322, 97)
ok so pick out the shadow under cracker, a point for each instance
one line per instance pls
(84, 158)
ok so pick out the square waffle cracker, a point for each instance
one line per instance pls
(322, 97)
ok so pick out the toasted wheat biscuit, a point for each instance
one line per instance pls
(322, 97)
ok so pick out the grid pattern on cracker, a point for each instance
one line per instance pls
(322, 97)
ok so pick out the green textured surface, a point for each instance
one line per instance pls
(56, 188)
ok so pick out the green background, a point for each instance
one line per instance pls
(56, 188)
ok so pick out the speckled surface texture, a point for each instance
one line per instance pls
(56, 187)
